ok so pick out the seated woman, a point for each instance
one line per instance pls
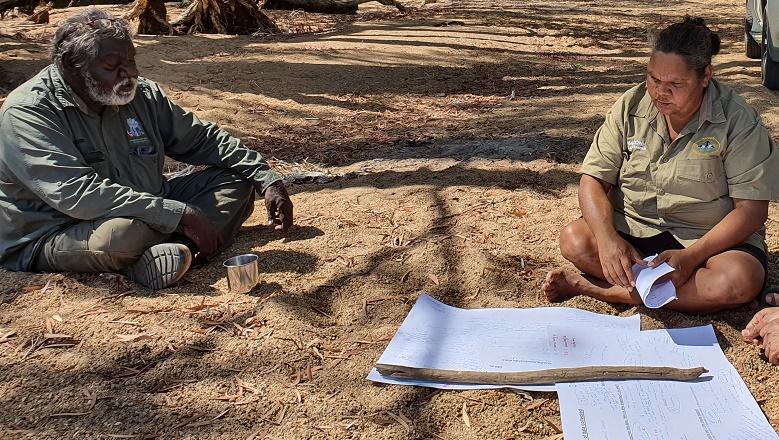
(682, 167)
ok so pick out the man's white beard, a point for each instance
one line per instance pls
(113, 97)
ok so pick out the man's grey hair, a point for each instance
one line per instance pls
(81, 33)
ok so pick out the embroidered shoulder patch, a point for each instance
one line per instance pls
(707, 146)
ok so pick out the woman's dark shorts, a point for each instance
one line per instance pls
(665, 241)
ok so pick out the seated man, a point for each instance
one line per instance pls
(82, 149)
(763, 330)
(684, 168)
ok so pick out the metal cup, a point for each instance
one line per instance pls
(242, 273)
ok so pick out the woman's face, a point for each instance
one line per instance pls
(675, 89)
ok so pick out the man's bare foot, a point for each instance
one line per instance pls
(562, 284)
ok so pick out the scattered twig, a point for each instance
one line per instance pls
(167, 384)
(118, 295)
(5, 337)
(135, 338)
(70, 414)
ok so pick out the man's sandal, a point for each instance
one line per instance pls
(769, 297)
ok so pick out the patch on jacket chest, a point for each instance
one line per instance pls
(707, 146)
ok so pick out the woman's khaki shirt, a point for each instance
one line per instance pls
(685, 186)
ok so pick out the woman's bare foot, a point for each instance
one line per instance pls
(563, 284)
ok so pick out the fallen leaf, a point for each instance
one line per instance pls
(118, 295)
(280, 415)
(258, 434)
(207, 422)
(63, 343)
(134, 338)
(273, 409)
(167, 383)
(433, 278)
(535, 404)
(346, 262)
(554, 425)
(56, 336)
(199, 348)
(190, 420)
(6, 337)
(401, 418)
(466, 419)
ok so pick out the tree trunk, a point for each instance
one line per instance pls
(41, 16)
(152, 17)
(327, 6)
(232, 17)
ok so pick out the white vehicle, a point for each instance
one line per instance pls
(761, 38)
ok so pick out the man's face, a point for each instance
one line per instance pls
(675, 89)
(112, 77)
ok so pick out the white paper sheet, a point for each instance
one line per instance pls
(718, 406)
(654, 296)
(435, 335)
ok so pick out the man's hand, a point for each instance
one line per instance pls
(617, 257)
(764, 328)
(279, 207)
(198, 228)
(683, 263)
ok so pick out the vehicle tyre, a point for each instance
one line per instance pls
(751, 47)
(769, 69)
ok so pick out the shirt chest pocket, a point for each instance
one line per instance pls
(700, 179)
(146, 164)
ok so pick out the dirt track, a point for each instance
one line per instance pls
(454, 134)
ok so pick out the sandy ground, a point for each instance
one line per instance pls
(453, 133)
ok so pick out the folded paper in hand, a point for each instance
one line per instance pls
(654, 296)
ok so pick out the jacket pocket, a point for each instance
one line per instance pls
(146, 168)
(97, 161)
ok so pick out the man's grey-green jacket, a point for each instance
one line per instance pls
(61, 163)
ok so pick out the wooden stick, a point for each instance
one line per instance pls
(548, 376)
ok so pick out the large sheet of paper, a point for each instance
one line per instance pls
(654, 296)
(718, 406)
(435, 335)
